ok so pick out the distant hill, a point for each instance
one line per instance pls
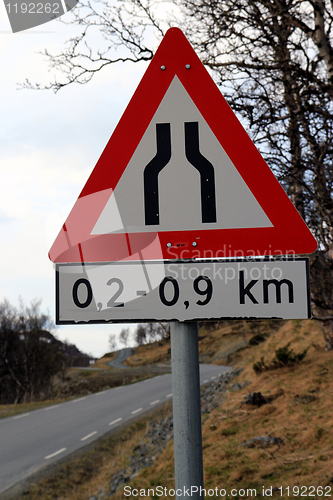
(73, 356)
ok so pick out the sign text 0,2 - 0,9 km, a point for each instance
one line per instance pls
(151, 291)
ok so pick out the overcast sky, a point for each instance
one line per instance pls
(49, 145)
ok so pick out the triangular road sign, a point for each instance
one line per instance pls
(180, 178)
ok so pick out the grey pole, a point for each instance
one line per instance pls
(186, 409)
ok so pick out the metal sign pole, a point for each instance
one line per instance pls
(186, 409)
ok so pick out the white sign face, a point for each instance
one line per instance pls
(182, 290)
(179, 178)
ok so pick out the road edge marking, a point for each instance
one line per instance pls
(89, 436)
(55, 454)
(115, 421)
(136, 411)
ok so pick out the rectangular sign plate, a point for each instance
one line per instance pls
(182, 290)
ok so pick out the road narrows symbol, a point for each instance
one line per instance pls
(162, 158)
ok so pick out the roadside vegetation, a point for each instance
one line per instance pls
(278, 439)
(30, 355)
(38, 370)
(76, 383)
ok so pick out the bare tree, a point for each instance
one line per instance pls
(157, 331)
(140, 335)
(124, 335)
(151, 332)
(29, 354)
(112, 342)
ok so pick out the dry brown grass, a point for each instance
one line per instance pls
(149, 354)
(299, 414)
(219, 346)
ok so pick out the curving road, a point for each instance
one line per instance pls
(122, 355)
(31, 441)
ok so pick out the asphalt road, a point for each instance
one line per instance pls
(122, 355)
(31, 441)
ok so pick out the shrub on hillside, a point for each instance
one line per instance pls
(284, 356)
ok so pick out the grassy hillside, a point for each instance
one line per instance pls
(298, 416)
(297, 420)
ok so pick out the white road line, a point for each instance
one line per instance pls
(115, 421)
(77, 400)
(205, 381)
(89, 436)
(136, 411)
(55, 454)
(154, 402)
(212, 378)
(99, 393)
(51, 407)
(21, 416)
(169, 395)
